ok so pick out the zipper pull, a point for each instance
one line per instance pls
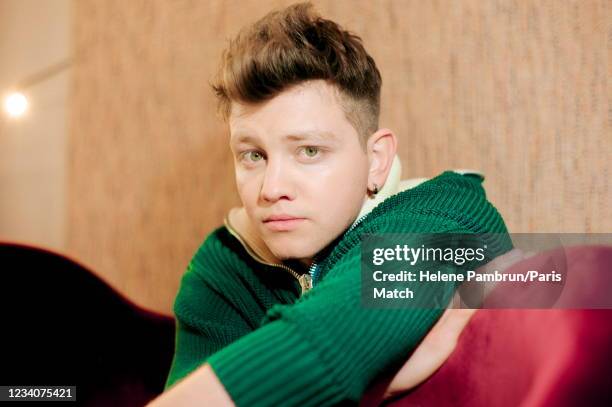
(305, 282)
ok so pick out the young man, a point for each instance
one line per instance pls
(269, 312)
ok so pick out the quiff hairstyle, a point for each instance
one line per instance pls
(294, 45)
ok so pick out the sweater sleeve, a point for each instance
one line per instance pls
(324, 349)
(203, 314)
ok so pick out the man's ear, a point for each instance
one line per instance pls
(381, 148)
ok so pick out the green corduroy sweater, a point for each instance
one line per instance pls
(270, 345)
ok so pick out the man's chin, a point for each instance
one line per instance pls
(290, 252)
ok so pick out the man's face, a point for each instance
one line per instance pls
(297, 156)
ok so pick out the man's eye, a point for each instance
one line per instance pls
(311, 151)
(253, 155)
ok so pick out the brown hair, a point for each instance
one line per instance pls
(294, 45)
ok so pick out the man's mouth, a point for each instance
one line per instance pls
(282, 223)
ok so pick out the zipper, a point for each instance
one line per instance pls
(357, 222)
(313, 267)
(305, 280)
(312, 270)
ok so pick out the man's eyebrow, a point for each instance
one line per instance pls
(242, 138)
(325, 135)
(294, 136)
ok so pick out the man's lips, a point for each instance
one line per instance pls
(282, 223)
(280, 217)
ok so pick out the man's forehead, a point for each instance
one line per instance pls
(310, 110)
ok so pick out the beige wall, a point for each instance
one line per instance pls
(33, 36)
(516, 89)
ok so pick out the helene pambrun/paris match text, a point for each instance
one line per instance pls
(410, 256)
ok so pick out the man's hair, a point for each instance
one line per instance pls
(294, 45)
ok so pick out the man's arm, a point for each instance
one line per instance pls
(202, 387)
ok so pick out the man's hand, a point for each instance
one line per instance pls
(200, 388)
(433, 351)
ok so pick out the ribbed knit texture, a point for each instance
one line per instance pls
(268, 346)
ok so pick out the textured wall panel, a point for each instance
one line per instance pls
(518, 90)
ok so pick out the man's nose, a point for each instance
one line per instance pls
(276, 183)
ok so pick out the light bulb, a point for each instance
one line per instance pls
(15, 104)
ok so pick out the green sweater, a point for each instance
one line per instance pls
(269, 344)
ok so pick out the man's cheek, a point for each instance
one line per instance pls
(248, 189)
